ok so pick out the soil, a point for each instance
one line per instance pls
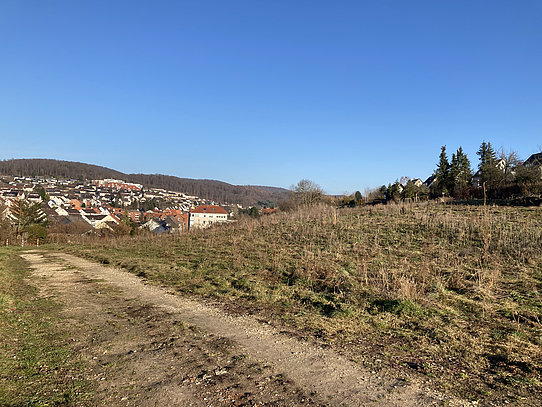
(144, 345)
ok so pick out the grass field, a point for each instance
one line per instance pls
(453, 292)
(37, 367)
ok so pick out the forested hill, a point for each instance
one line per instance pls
(208, 189)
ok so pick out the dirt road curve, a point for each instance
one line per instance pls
(148, 347)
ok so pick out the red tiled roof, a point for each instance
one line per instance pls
(173, 211)
(209, 209)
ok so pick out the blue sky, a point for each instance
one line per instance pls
(350, 94)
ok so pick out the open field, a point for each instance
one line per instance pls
(450, 292)
(146, 346)
(137, 345)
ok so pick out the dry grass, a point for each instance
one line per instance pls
(453, 291)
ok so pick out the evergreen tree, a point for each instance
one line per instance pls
(382, 191)
(460, 173)
(489, 173)
(41, 192)
(442, 174)
(487, 155)
(24, 213)
(410, 190)
(394, 192)
(358, 197)
(388, 193)
(253, 212)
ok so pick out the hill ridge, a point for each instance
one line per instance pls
(204, 188)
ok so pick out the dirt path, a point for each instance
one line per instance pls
(148, 347)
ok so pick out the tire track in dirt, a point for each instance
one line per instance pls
(326, 375)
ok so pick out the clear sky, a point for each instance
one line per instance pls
(349, 94)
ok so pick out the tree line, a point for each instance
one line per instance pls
(497, 176)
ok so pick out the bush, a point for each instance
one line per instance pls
(36, 232)
(6, 232)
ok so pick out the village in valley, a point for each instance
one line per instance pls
(112, 206)
(117, 207)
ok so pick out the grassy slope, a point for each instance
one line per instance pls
(451, 291)
(36, 366)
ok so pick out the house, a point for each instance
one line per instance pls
(54, 202)
(98, 220)
(13, 193)
(33, 197)
(61, 211)
(89, 211)
(173, 224)
(501, 164)
(417, 182)
(118, 185)
(184, 220)
(155, 225)
(151, 215)
(181, 217)
(204, 216)
(73, 215)
(534, 160)
(114, 211)
(430, 181)
(75, 203)
(134, 215)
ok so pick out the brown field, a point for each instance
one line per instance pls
(451, 292)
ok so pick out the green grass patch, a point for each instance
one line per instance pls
(37, 367)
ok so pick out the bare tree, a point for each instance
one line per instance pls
(307, 192)
(511, 161)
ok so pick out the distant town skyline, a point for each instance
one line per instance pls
(348, 94)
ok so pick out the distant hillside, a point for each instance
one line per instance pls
(208, 189)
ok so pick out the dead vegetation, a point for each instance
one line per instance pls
(450, 291)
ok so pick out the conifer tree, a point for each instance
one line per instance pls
(442, 174)
(410, 190)
(24, 213)
(487, 155)
(394, 192)
(358, 197)
(489, 173)
(460, 173)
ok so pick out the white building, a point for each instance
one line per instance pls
(207, 215)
